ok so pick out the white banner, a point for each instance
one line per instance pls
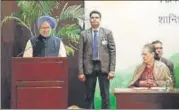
(135, 23)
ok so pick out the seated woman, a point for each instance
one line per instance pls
(151, 73)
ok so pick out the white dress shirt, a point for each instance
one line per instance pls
(29, 50)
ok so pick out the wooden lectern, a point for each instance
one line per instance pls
(39, 83)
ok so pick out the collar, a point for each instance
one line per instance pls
(96, 29)
(42, 37)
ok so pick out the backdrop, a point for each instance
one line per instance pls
(135, 23)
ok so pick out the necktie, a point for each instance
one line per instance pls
(95, 45)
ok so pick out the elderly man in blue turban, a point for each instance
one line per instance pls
(45, 45)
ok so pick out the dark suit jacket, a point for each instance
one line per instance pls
(107, 53)
(170, 66)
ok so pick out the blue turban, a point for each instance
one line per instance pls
(50, 20)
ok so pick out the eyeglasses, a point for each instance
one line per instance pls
(45, 28)
(159, 48)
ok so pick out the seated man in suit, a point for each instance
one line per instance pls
(159, 52)
(44, 44)
(151, 73)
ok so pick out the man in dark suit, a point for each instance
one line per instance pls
(159, 52)
(97, 58)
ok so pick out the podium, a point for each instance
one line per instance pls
(39, 83)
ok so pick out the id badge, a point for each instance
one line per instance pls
(104, 42)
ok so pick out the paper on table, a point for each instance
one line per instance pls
(140, 88)
(158, 88)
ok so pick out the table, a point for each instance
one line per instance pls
(145, 98)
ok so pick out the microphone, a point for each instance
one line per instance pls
(23, 51)
(26, 50)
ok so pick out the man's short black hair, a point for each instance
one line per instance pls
(95, 11)
(156, 41)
